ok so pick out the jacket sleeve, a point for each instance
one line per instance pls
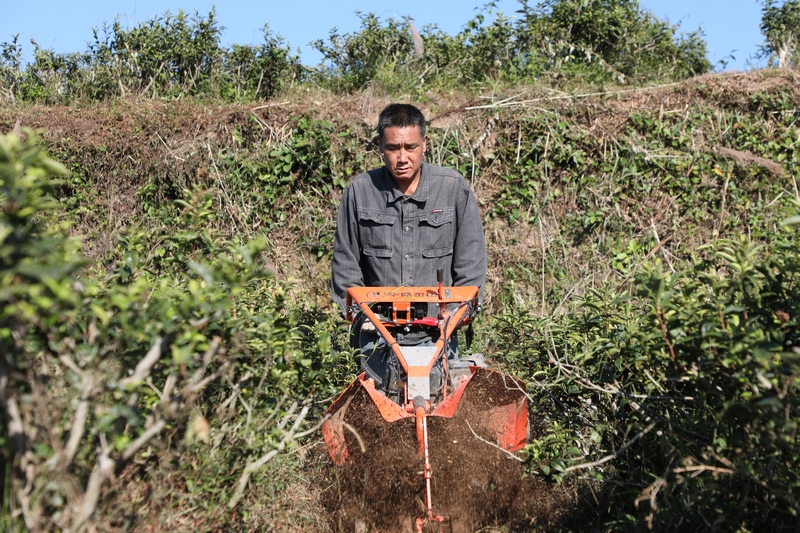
(346, 267)
(469, 248)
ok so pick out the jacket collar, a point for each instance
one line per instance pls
(420, 195)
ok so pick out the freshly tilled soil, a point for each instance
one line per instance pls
(474, 484)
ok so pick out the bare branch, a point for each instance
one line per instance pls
(169, 384)
(202, 383)
(207, 357)
(249, 469)
(289, 437)
(69, 363)
(103, 470)
(232, 398)
(493, 445)
(613, 388)
(145, 366)
(24, 494)
(607, 458)
(301, 417)
(143, 439)
(319, 425)
(79, 422)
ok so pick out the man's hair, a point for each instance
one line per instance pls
(401, 116)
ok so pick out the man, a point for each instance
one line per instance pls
(397, 224)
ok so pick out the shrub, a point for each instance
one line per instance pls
(680, 398)
(150, 363)
(780, 25)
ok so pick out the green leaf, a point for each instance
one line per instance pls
(791, 221)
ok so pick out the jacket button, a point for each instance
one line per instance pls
(408, 256)
(407, 229)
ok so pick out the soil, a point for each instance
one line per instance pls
(474, 484)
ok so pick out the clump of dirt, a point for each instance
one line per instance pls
(474, 484)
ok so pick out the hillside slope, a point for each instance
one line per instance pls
(643, 281)
(609, 173)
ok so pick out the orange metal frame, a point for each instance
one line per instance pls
(401, 299)
(509, 421)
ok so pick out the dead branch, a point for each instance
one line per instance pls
(289, 437)
(493, 445)
(357, 435)
(607, 458)
(699, 469)
(269, 105)
(746, 158)
(525, 103)
(79, 421)
(145, 366)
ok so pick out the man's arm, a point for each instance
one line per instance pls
(346, 267)
(469, 248)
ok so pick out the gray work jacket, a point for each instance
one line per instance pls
(385, 238)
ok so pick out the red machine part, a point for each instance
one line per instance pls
(499, 400)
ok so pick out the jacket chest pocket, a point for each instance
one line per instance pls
(437, 232)
(376, 229)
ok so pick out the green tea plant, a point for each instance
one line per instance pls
(11, 72)
(157, 360)
(780, 22)
(610, 40)
(351, 61)
(679, 398)
(175, 55)
(166, 56)
(258, 72)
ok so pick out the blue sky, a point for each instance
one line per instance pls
(730, 26)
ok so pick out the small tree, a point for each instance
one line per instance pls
(780, 25)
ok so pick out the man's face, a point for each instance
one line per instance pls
(403, 149)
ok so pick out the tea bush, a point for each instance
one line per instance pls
(780, 23)
(190, 347)
(180, 55)
(680, 396)
(165, 56)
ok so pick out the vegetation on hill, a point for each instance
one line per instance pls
(179, 55)
(167, 340)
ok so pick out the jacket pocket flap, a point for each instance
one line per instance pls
(437, 252)
(373, 217)
(377, 252)
(438, 219)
